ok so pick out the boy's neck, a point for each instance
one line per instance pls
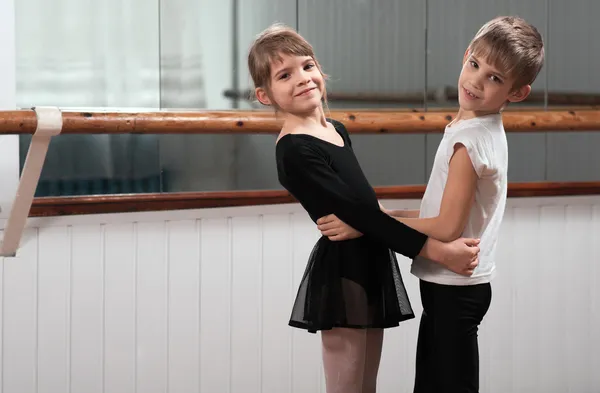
(464, 114)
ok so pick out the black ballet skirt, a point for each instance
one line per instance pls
(354, 283)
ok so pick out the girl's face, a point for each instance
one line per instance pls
(296, 86)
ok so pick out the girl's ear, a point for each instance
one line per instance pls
(466, 56)
(262, 96)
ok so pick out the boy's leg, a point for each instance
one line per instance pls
(450, 340)
(372, 360)
(424, 367)
(344, 359)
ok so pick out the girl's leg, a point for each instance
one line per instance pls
(344, 359)
(372, 359)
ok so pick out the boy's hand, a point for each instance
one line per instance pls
(462, 256)
(336, 229)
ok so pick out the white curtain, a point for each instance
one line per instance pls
(107, 54)
(196, 69)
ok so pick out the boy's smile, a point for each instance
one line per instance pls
(484, 89)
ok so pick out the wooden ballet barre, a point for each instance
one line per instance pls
(104, 204)
(46, 123)
(265, 122)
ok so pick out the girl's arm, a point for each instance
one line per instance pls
(457, 200)
(319, 189)
(314, 177)
(350, 233)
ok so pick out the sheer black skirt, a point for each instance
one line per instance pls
(353, 284)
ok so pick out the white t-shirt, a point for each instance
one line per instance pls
(486, 144)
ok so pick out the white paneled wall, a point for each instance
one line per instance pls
(198, 301)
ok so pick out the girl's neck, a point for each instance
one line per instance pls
(309, 120)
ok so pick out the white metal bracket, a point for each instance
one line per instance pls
(49, 124)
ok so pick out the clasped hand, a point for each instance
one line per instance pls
(461, 255)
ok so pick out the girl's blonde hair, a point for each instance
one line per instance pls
(268, 46)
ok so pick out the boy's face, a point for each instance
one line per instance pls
(484, 89)
(297, 85)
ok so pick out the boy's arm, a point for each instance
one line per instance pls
(400, 213)
(457, 200)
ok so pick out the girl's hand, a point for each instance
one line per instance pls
(336, 229)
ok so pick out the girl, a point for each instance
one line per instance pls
(351, 290)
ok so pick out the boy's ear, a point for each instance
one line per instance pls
(520, 94)
(262, 96)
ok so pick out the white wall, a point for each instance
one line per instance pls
(198, 301)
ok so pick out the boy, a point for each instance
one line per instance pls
(466, 196)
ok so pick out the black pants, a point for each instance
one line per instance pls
(447, 350)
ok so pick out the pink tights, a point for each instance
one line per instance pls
(351, 359)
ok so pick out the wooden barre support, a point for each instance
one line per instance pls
(265, 122)
(102, 204)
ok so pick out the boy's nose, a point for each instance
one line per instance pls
(478, 82)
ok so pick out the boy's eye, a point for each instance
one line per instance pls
(283, 76)
(494, 78)
(309, 66)
(473, 64)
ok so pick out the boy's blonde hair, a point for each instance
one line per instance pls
(268, 46)
(513, 45)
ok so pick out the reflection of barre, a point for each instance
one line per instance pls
(49, 124)
(441, 95)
